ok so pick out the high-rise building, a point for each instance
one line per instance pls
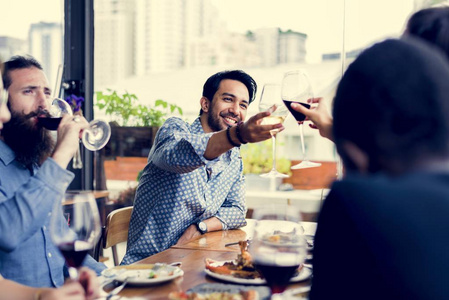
(292, 47)
(46, 44)
(10, 46)
(114, 40)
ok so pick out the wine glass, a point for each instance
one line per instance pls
(75, 228)
(296, 88)
(278, 247)
(270, 99)
(94, 137)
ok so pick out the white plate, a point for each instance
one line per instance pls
(141, 276)
(304, 274)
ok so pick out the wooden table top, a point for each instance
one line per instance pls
(217, 240)
(192, 256)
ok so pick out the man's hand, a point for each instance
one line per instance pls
(69, 132)
(190, 233)
(70, 291)
(252, 132)
(88, 279)
(320, 117)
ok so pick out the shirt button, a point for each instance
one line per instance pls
(49, 214)
(49, 254)
(44, 227)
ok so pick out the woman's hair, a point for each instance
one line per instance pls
(432, 25)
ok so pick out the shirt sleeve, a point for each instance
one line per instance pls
(177, 149)
(26, 210)
(232, 212)
(94, 265)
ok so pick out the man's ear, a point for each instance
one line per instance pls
(205, 104)
(357, 156)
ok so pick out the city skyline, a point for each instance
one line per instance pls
(320, 20)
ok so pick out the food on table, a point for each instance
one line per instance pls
(242, 295)
(242, 267)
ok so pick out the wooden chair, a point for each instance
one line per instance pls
(116, 229)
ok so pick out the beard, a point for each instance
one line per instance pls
(216, 124)
(31, 143)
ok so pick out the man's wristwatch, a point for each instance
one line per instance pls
(202, 227)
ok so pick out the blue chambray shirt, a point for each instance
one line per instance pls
(179, 187)
(27, 254)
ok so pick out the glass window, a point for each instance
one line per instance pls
(34, 28)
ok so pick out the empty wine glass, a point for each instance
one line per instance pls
(270, 99)
(75, 228)
(278, 247)
(95, 137)
(296, 88)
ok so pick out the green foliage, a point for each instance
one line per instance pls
(126, 108)
(257, 159)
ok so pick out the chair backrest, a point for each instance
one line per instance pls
(117, 224)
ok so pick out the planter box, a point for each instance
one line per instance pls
(130, 141)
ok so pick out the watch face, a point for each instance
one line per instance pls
(202, 226)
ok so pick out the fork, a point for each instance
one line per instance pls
(118, 289)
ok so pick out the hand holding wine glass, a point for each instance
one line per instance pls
(94, 137)
(270, 100)
(278, 247)
(75, 228)
(296, 88)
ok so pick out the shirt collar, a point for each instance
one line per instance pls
(7, 156)
(196, 126)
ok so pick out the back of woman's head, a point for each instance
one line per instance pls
(393, 103)
(432, 25)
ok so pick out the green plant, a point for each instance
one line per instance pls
(127, 109)
(257, 159)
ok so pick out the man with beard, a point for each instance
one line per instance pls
(33, 178)
(193, 181)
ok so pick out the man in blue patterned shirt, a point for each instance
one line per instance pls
(193, 182)
(33, 177)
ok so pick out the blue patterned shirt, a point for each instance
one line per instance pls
(27, 254)
(179, 187)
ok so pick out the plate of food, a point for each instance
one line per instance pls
(144, 274)
(242, 270)
(214, 291)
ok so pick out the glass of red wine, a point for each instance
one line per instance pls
(278, 247)
(75, 228)
(296, 87)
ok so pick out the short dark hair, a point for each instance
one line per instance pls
(18, 62)
(432, 25)
(212, 83)
(393, 103)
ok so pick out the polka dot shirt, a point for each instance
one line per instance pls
(179, 187)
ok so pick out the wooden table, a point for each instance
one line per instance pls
(192, 256)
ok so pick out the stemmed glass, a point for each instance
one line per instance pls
(296, 88)
(270, 99)
(278, 246)
(75, 228)
(95, 137)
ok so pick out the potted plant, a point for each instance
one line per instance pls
(257, 160)
(135, 125)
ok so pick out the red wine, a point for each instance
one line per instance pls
(298, 116)
(74, 256)
(277, 277)
(49, 123)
